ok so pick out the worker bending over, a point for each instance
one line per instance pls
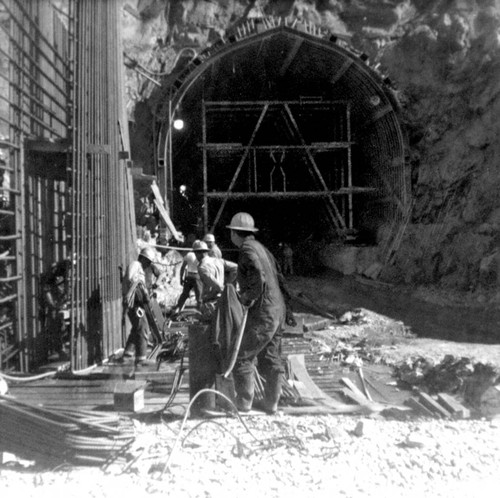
(260, 293)
(214, 274)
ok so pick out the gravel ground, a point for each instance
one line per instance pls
(283, 456)
(307, 456)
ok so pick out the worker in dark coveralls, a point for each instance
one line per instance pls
(53, 302)
(260, 293)
(135, 290)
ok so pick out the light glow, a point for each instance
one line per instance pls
(178, 124)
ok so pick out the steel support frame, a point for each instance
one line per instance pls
(323, 192)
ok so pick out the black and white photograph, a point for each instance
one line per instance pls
(250, 248)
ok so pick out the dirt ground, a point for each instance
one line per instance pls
(439, 327)
(304, 456)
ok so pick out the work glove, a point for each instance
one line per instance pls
(248, 303)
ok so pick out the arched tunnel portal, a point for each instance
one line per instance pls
(291, 125)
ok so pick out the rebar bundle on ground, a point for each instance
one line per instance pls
(63, 436)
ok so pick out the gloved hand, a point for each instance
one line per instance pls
(245, 301)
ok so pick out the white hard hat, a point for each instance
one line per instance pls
(242, 221)
(209, 237)
(199, 245)
(148, 253)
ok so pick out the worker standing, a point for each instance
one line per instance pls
(214, 274)
(190, 279)
(213, 248)
(54, 301)
(260, 293)
(136, 297)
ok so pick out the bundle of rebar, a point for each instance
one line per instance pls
(102, 204)
(53, 437)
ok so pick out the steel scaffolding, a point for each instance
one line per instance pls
(260, 135)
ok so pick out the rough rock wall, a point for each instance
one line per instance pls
(443, 57)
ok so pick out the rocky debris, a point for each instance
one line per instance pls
(453, 375)
(441, 56)
(489, 404)
(286, 456)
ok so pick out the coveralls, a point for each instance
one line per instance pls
(54, 299)
(137, 341)
(261, 342)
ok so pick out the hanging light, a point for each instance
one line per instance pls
(178, 124)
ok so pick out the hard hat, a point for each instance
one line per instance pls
(199, 245)
(148, 253)
(209, 237)
(242, 221)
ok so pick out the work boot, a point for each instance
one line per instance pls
(272, 394)
(244, 387)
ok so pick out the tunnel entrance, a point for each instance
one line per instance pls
(290, 124)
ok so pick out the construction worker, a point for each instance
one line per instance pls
(214, 274)
(190, 279)
(260, 293)
(135, 290)
(54, 301)
(213, 248)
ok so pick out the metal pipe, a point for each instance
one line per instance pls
(34, 63)
(33, 117)
(28, 19)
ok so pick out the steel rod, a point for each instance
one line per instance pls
(32, 98)
(35, 63)
(27, 17)
(291, 195)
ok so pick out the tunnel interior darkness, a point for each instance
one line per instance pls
(271, 122)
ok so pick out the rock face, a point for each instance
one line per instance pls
(443, 58)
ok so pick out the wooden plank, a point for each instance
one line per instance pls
(164, 213)
(452, 405)
(321, 409)
(317, 325)
(355, 397)
(298, 369)
(433, 405)
(310, 391)
(419, 408)
(350, 384)
(300, 387)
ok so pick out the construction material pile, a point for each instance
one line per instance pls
(461, 377)
(451, 375)
(59, 436)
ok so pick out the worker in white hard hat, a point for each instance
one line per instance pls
(190, 280)
(135, 288)
(214, 274)
(213, 248)
(260, 292)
